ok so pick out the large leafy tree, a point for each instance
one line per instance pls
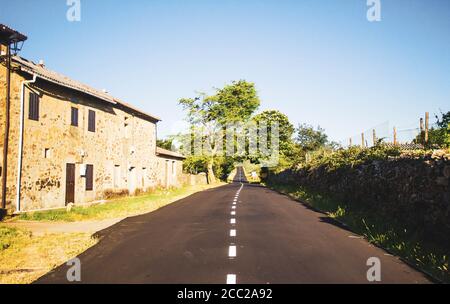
(287, 148)
(310, 138)
(233, 103)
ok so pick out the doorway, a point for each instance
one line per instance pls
(70, 184)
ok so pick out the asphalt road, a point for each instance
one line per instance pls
(273, 240)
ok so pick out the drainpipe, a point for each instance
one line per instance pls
(19, 157)
(6, 138)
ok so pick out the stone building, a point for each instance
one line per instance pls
(70, 143)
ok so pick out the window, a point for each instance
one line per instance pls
(33, 106)
(127, 130)
(173, 167)
(74, 117)
(47, 153)
(91, 121)
(144, 177)
(116, 178)
(89, 177)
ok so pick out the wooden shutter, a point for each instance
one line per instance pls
(91, 121)
(74, 117)
(89, 177)
(33, 106)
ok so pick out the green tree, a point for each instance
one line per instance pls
(311, 139)
(288, 149)
(235, 102)
(164, 143)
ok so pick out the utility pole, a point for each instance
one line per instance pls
(395, 136)
(13, 40)
(427, 125)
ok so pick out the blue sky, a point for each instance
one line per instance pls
(319, 61)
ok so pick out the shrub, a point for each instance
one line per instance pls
(115, 193)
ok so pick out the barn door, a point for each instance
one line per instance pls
(70, 183)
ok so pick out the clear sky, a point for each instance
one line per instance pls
(319, 61)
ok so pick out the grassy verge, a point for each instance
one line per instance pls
(24, 257)
(116, 208)
(431, 258)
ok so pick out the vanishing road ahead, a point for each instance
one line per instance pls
(239, 232)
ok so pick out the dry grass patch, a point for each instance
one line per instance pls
(24, 257)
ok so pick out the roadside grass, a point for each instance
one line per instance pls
(24, 257)
(431, 258)
(115, 208)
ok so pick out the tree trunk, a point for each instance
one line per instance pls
(211, 177)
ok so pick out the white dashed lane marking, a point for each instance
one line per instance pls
(231, 279)
(232, 251)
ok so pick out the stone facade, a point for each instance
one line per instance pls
(122, 149)
(169, 169)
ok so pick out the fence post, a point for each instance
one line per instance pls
(362, 140)
(374, 137)
(427, 125)
(395, 136)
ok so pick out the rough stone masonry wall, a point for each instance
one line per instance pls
(411, 191)
(43, 179)
(13, 132)
(170, 176)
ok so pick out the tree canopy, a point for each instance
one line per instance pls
(235, 102)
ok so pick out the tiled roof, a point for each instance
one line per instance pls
(59, 79)
(6, 33)
(161, 151)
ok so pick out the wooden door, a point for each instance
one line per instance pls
(70, 183)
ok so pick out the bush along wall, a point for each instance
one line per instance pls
(407, 190)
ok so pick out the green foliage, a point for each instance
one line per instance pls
(8, 236)
(287, 147)
(164, 143)
(350, 157)
(286, 128)
(311, 139)
(223, 165)
(437, 137)
(235, 102)
(195, 164)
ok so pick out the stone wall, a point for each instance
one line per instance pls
(194, 179)
(169, 172)
(122, 156)
(413, 191)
